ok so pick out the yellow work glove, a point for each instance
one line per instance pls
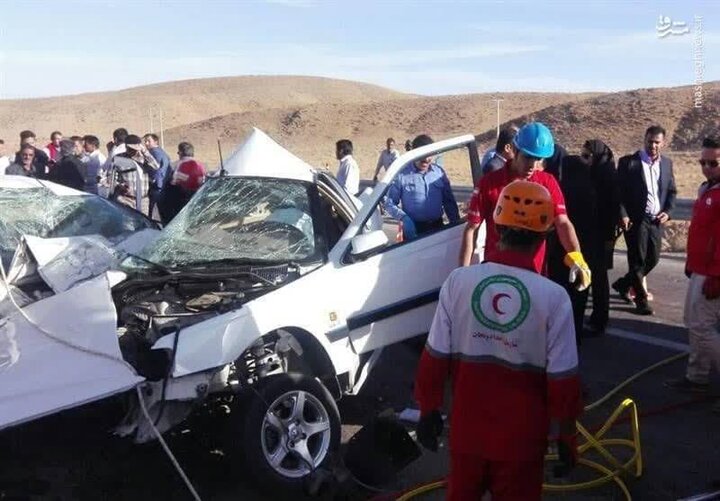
(579, 270)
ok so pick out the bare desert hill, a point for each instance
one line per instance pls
(181, 102)
(308, 114)
(311, 131)
(620, 119)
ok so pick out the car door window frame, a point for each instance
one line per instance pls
(466, 142)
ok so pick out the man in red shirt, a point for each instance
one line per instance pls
(702, 302)
(186, 179)
(532, 144)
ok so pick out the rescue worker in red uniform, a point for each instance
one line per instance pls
(505, 335)
(532, 144)
(702, 302)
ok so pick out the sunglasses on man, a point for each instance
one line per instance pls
(710, 163)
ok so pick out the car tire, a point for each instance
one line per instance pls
(291, 416)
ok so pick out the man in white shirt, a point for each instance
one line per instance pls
(647, 195)
(348, 174)
(4, 159)
(95, 164)
(387, 157)
(119, 136)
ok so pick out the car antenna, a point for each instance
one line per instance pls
(223, 172)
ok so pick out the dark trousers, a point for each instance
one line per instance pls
(153, 196)
(643, 252)
(559, 273)
(600, 288)
(595, 254)
(428, 226)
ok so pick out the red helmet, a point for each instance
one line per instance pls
(189, 175)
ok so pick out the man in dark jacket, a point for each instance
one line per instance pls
(69, 170)
(647, 196)
(40, 158)
(157, 181)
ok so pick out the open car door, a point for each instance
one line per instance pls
(391, 288)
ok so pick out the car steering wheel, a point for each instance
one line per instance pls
(294, 234)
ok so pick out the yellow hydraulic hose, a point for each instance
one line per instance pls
(596, 442)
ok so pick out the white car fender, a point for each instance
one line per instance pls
(221, 340)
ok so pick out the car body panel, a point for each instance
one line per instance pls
(350, 308)
(57, 360)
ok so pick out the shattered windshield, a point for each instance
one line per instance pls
(40, 212)
(240, 219)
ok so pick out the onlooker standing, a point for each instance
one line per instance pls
(118, 146)
(157, 182)
(4, 159)
(187, 178)
(79, 150)
(26, 165)
(53, 148)
(348, 174)
(128, 169)
(40, 159)
(95, 162)
(69, 170)
(387, 157)
(647, 195)
(503, 152)
(423, 190)
(702, 302)
(603, 174)
(589, 185)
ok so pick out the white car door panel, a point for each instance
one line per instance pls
(403, 298)
(392, 295)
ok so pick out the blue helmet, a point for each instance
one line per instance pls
(535, 140)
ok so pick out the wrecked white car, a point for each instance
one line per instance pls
(272, 279)
(44, 209)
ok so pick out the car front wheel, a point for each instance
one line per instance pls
(291, 428)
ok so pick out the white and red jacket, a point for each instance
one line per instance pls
(703, 246)
(52, 151)
(506, 337)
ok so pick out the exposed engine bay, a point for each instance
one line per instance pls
(152, 306)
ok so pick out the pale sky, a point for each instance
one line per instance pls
(425, 47)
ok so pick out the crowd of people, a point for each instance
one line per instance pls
(516, 383)
(596, 201)
(134, 168)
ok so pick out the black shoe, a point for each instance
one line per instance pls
(684, 384)
(643, 308)
(594, 330)
(622, 290)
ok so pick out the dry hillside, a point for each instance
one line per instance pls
(181, 102)
(307, 115)
(311, 131)
(620, 118)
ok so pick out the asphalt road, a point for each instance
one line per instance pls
(73, 455)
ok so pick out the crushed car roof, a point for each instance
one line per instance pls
(23, 182)
(260, 156)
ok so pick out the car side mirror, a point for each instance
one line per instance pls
(364, 245)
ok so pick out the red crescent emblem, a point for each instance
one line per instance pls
(496, 302)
